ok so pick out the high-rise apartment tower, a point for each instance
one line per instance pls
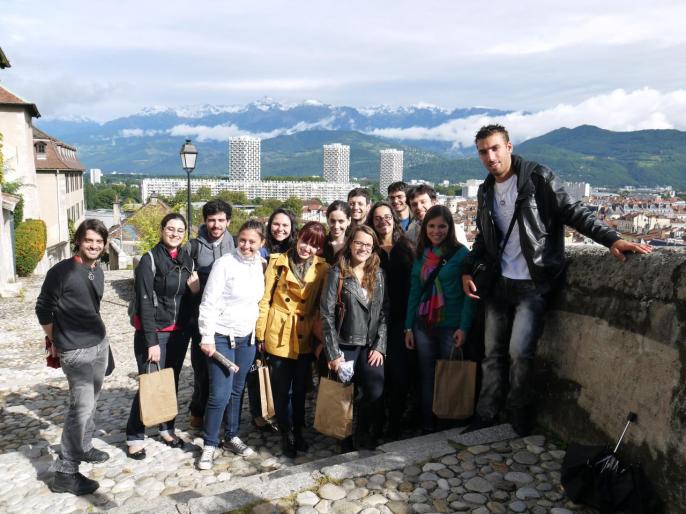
(244, 158)
(390, 169)
(337, 163)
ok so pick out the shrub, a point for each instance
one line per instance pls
(30, 240)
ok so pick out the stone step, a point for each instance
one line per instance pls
(242, 492)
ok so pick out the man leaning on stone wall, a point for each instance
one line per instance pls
(527, 200)
(68, 309)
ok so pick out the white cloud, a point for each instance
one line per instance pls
(139, 132)
(618, 110)
(223, 132)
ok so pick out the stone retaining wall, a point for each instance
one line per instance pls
(614, 342)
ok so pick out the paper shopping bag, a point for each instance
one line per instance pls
(157, 393)
(266, 398)
(333, 415)
(454, 389)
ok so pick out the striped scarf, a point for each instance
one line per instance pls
(432, 303)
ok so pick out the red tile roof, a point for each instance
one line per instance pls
(9, 98)
(57, 156)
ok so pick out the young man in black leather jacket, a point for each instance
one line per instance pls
(531, 263)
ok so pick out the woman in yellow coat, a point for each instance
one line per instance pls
(288, 310)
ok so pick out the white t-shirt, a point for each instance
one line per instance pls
(512, 262)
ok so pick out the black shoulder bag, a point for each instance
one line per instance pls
(486, 273)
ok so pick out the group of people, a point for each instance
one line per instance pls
(388, 290)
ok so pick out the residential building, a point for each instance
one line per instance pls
(577, 190)
(16, 127)
(327, 192)
(337, 163)
(16, 148)
(95, 176)
(470, 189)
(390, 168)
(59, 176)
(244, 158)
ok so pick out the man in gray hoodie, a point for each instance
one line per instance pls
(213, 241)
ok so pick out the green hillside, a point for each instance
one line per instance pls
(603, 157)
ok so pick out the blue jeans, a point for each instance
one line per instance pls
(226, 389)
(514, 321)
(431, 344)
(85, 371)
(289, 381)
(173, 346)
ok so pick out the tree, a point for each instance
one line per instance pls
(233, 197)
(203, 194)
(238, 217)
(295, 205)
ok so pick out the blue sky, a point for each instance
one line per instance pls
(619, 64)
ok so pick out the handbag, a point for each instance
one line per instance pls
(333, 414)
(157, 393)
(486, 273)
(266, 397)
(454, 388)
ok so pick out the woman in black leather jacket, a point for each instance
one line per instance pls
(357, 332)
(164, 280)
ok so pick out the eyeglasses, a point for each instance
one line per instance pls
(379, 219)
(172, 230)
(360, 244)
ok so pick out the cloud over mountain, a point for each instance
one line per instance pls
(618, 110)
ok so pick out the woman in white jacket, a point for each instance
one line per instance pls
(228, 313)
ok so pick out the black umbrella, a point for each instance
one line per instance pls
(595, 476)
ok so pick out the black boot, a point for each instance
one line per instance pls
(300, 442)
(288, 443)
(74, 483)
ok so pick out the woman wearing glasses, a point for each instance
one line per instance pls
(397, 257)
(288, 309)
(163, 281)
(357, 332)
(439, 314)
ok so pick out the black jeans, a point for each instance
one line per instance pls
(514, 321)
(201, 381)
(369, 384)
(289, 379)
(173, 346)
(399, 374)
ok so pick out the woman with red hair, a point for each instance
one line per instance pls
(288, 310)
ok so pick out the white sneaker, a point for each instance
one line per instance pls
(207, 458)
(238, 447)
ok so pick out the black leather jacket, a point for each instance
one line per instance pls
(544, 209)
(364, 323)
(172, 296)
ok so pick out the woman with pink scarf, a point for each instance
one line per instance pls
(439, 314)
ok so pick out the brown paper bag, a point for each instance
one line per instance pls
(157, 396)
(266, 398)
(333, 415)
(454, 389)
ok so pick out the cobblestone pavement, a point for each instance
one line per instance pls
(513, 476)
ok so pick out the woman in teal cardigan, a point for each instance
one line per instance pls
(439, 314)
